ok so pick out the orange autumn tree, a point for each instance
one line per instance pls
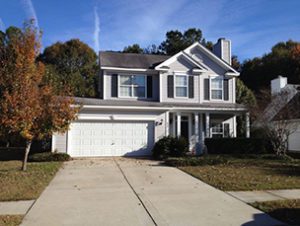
(28, 107)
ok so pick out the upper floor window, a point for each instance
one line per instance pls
(181, 85)
(132, 85)
(216, 90)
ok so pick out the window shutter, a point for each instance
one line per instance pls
(191, 86)
(226, 130)
(114, 85)
(206, 89)
(149, 86)
(170, 86)
(226, 89)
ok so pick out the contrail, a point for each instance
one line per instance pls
(2, 25)
(96, 29)
(30, 11)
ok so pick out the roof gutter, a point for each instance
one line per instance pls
(241, 109)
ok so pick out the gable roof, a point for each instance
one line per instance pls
(280, 103)
(230, 70)
(130, 60)
(215, 58)
(164, 65)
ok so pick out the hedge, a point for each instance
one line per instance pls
(197, 161)
(237, 146)
(49, 157)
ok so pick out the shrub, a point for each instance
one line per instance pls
(170, 147)
(49, 157)
(237, 146)
(197, 161)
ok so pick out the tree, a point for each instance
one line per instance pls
(72, 65)
(135, 48)
(277, 119)
(282, 60)
(177, 41)
(28, 107)
(246, 97)
(153, 49)
(235, 63)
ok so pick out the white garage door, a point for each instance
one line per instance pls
(88, 139)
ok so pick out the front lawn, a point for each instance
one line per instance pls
(18, 185)
(284, 210)
(10, 220)
(231, 173)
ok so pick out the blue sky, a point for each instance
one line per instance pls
(253, 26)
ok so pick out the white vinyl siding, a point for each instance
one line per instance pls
(59, 142)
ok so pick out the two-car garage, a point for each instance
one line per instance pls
(107, 138)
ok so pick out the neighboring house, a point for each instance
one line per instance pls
(146, 97)
(285, 105)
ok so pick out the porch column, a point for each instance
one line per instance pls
(167, 126)
(234, 126)
(202, 132)
(173, 125)
(178, 124)
(207, 124)
(196, 118)
(247, 125)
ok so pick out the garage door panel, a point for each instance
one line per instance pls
(111, 139)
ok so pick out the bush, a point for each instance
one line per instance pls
(197, 161)
(49, 157)
(237, 146)
(170, 147)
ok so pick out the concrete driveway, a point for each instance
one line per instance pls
(136, 192)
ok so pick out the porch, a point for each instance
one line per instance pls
(195, 126)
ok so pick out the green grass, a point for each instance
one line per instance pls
(243, 174)
(287, 211)
(10, 220)
(18, 185)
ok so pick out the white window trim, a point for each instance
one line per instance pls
(217, 133)
(211, 89)
(175, 86)
(132, 86)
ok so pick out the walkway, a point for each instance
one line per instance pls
(269, 195)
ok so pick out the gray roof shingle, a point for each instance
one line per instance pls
(121, 103)
(130, 60)
(288, 96)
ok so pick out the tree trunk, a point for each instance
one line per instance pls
(28, 145)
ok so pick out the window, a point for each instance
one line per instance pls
(217, 130)
(181, 85)
(216, 89)
(132, 85)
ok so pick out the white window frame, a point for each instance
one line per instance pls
(214, 89)
(186, 86)
(132, 86)
(217, 133)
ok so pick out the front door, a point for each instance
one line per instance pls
(185, 127)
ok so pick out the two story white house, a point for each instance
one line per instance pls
(146, 97)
